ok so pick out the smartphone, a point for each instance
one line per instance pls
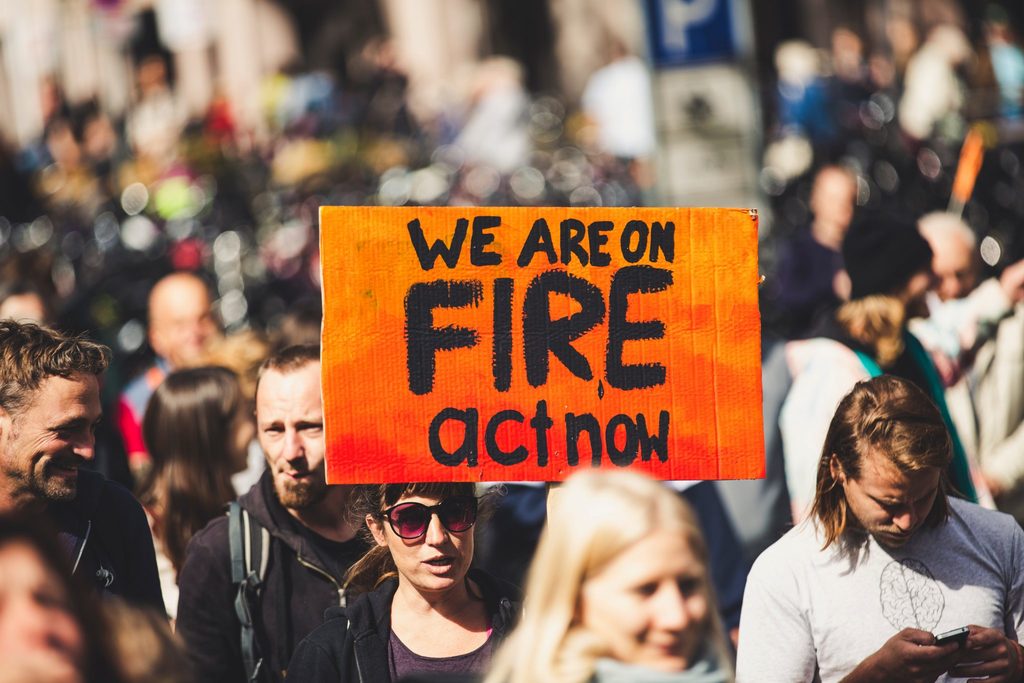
(957, 635)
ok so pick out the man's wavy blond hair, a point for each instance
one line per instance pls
(887, 415)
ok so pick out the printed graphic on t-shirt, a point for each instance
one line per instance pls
(910, 596)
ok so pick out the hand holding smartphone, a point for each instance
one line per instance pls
(957, 635)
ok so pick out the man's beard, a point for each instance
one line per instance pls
(54, 487)
(298, 495)
(43, 484)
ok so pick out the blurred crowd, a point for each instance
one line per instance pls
(893, 117)
(96, 209)
(892, 296)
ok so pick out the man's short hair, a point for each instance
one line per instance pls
(887, 415)
(289, 360)
(30, 353)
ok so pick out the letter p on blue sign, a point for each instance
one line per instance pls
(691, 31)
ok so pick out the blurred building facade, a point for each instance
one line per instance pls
(90, 48)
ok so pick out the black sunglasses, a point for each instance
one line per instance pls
(410, 520)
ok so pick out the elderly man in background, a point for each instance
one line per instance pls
(180, 325)
(986, 389)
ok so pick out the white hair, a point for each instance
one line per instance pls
(940, 226)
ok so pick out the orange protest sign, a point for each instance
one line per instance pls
(518, 344)
(972, 154)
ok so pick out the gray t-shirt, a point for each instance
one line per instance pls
(812, 615)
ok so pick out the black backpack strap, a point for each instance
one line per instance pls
(250, 547)
(237, 541)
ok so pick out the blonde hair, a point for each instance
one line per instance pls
(875, 321)
(241, 352)
(594, 518)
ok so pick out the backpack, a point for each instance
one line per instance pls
(250, 548)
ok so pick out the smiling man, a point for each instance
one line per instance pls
(49, 409)
(312, 543)
(886, 560)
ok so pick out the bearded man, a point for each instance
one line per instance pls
(311, 542)
(49, 411)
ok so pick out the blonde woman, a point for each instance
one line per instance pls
(618, 591)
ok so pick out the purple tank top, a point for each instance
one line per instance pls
(402, 661)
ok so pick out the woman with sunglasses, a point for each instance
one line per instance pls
(426, 611)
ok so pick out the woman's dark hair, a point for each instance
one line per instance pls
(887, 415)
(189, 432)
(82, 605)
(377, 565)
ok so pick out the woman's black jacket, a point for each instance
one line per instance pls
(352, 643)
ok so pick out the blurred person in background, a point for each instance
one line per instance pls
(181, 323)
(301, 324)
(305, 540)
(49, 410)
(68, 186)
(986, 388)
(850, 84)
(1007, 62)
(426, 610)
(619, 590)
(933, 94)
(810, 279)
(803, 98)
(495, 132)
(886, 559)
(50, 628)
(198, 428)
(243, 353)
(101, 149)
(889, 264)
(155, 123)
(34, 156)
(144, 646)
(18, 201)
(619, 101)
(24, 302)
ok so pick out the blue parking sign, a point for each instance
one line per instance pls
(690, 31)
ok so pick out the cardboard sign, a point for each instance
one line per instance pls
(521, 344)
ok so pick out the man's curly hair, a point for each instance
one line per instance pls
(30, 353)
